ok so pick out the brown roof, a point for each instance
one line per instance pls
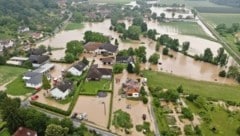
(92, 46)
(22, 131)
(108, 59)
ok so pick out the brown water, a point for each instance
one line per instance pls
(179, 65)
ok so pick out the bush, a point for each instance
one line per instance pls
(192, 97)
(145, 100)
(118, 68)
(165, 51)
(222, 73)
(139, 128)
(188, 130)
(187, 113)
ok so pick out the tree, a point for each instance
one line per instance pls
(163, 15)
(137, 21)
(144, 27)
(10, 114)
(173, 14)
(140, 52)
(77, 17)
(85, 61)
(137, 67)
(145, 100)
(45, 83)
(134, 32)
(2, 60)
(180, 16)
(154, 58)
(152, 34)
(221, 57)
(157, 48)
(194, 12)
(185, 46)
(69, 58)
(122, 119)
(75, 48)
(154, 16)
(187, 113)
(130, 67)
(208, 55)
(180, 89)
(27, 64)
(130, 51)
(165, 51)
(116, 42)
(49, 48)
(67, 123)
(200, 102)
(222, 73)
(118, 68)
(90, 36)
(56, 130)
(170, 95)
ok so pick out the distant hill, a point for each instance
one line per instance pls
(232, 3)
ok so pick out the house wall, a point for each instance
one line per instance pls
(75, 72)
(106, 76)
(34, 85)
(56, 93)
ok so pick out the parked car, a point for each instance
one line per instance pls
(79, 116)
(34, 97)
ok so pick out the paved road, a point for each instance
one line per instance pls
(76, 123)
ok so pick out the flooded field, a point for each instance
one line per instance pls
(97, 109)
(178, 65)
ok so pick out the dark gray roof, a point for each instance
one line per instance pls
(37, 51)
(95, 72)
(39, 59)
(124, 59)
(30, 74)
(109, 47)
(65, 85)
(37, 79)
(80, 66)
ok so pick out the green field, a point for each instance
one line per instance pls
(92, 87)
(188, 28)
(8, 73)
(225, 122)
(190, 3)
(206, 89)
(17, 87)
(4, 132)
(73, 26)
(110, 1)
(214, 18)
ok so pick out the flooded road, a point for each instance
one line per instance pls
(178, 65)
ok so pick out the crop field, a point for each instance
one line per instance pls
(205, 89)
(217, 10)
(111, 1)
(214, 19)
(202, 3)
(188, 28)
(73, 26)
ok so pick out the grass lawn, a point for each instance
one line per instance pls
(17, 87)
(188, 28)
(206, 89)
(8, 73)
(92, 87)
(214, 18)
(110, 1)
(4, 132)
(73, 26)
(226, 123)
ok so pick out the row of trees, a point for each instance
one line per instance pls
(15, 116)
(74, 49)
(90, 36)
(223, 29)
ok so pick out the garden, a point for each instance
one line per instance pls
(92, 87)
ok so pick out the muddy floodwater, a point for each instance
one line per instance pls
(179, 64)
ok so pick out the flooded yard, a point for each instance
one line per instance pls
(97, 109)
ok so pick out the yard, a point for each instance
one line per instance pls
(225, 123)
(92, 87)
(8, 73)
(17, 87)
(73, 26)
(187, 28)
(206, 89)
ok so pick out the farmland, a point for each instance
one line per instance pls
(206, 89)
(8, 73)
(214, 19)
(72, 26)
(203, 3)
(217, 10)
(188, 28)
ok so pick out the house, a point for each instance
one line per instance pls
(17, 60)
(62, 90)
(96, 73)
(23, 29)
(6, 44)
(33, 79)
(131, 88)
(38, 60)
(36, 51)
(37, 35)
(91, 47)
(45, 68)
(22, 131)
(107, 48)
(78, 69)
(107, 61)
(124, 59)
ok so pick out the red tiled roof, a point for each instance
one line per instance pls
(22, 131)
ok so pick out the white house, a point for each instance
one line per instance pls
(78, 69)
(61, 90)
